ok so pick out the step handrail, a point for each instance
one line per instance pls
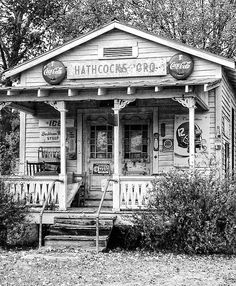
(99, 211)
(43, 209)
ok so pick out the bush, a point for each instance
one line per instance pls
(12, 214)
(190, 213)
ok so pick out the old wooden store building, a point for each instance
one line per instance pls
(122, 104)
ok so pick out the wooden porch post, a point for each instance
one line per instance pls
(191, 107)
(61, 107)
(63, 175)
(116, 189)
(190, 104)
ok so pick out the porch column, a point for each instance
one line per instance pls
(190, 104)
(118, 105)
(63, 175)
(61, 107)
(191, 107)
(116, 189)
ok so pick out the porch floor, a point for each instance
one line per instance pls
(49, 215)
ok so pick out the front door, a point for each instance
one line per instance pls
(99, 152)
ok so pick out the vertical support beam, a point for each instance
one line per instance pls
(191, 134)
(190, 104)
(79, 143)
(63, 175)
(22, 143)
(61, 107)
(155, 159)
(116, 189)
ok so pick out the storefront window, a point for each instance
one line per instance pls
(101, 142)
(136, 141)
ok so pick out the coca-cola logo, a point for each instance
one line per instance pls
(54, 72)
(181, 66)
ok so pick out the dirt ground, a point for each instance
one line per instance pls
(78, 267)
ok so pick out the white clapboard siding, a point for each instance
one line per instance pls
(89, 51)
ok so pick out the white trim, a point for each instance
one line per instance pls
(170, 43)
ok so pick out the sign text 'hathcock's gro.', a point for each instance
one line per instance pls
(117, 68)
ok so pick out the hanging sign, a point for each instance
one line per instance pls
(181, 66)
(54, 72)
(117, 68)
(181, 141)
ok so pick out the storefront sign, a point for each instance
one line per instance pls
(54, 72)
(117, 68)
(181, 66)
(55, 122)
(50, 135)
(181, 141)
(101, 169)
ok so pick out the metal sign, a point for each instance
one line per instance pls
(117, 68)
(101, 169)
(54, 72)
(49, 135)
(181, 66)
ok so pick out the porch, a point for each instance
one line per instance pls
(128, 193)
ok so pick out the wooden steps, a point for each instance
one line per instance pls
(93, 198)
(79, 231)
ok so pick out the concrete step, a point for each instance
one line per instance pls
(86, 242)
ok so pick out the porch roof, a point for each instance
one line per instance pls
(208, 83)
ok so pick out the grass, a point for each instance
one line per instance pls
(79, 267)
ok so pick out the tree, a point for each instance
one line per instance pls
(24, 26)
(82, 16)
(205, 24)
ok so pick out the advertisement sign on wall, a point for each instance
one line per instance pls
(181, 140)
(117, 68)
(49, 135)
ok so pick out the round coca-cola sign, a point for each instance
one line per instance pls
(181, 66)
(54, 72)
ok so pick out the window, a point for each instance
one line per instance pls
(136, 142)
(101, 142)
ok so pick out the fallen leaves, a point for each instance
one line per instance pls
(79, 267)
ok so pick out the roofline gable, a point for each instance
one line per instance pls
(229, 63)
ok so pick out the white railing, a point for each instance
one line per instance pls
(33, 191)
(134, 191)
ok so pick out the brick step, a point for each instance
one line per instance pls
(86, 242)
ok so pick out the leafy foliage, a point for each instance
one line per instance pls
(24, 28)
(191, 213)
(9, 141)
(12, 214)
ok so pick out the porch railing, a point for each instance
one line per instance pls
(134, 191)
(33, 191)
